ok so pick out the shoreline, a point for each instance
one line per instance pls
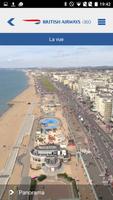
(11, 121)
(10, 103)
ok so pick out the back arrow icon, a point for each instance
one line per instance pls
(10, 22)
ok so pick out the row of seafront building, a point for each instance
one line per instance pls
(93, 85)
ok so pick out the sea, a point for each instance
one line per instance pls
(12, 83)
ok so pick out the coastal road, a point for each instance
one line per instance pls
(103, 142)
(104, 192)
(100, 139)
(25, 130)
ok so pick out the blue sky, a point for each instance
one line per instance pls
(55, 56)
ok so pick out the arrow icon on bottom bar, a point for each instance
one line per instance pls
(11, 192)
(10, 22)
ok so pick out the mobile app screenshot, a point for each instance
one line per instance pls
(56, 100)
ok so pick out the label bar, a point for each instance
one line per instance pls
(56, 38)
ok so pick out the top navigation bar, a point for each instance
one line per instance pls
(55, 4)
(41, 20)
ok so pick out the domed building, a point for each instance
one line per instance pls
(48, 155)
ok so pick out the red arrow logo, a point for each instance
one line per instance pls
(33, 20)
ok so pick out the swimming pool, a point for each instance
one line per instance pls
(50, 123)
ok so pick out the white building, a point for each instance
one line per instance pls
(40, 156)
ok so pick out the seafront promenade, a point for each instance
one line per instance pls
(25, 129)
(23, 113)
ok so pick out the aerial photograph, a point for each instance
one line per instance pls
(56, 122)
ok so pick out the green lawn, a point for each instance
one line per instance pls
(47, 84)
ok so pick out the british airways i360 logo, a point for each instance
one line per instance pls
(50, 21)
